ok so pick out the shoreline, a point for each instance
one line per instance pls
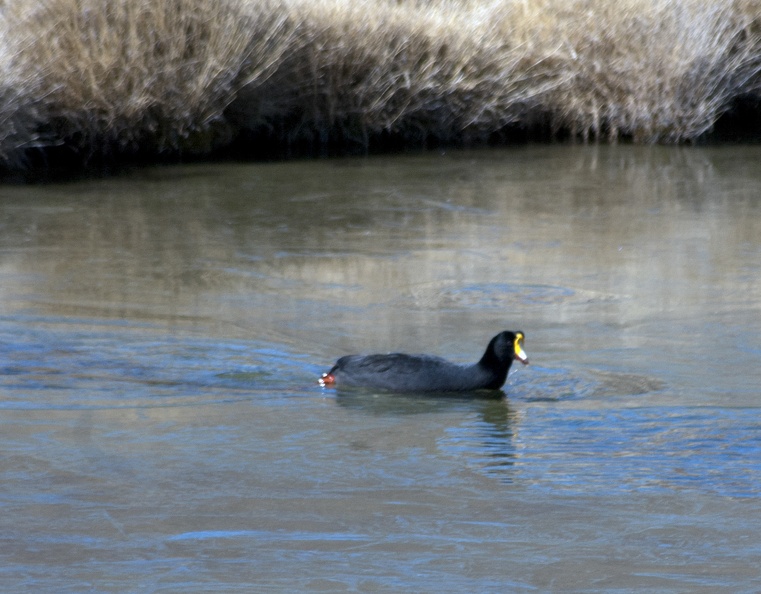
(87, 85)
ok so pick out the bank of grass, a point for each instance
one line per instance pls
(102, 80)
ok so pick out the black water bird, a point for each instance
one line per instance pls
(399, 372)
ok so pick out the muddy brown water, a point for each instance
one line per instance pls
(162, 332)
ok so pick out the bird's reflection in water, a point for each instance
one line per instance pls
(496, 431)
(483, 437)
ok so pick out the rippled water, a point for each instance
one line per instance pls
(162, 333)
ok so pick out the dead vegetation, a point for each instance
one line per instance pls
(108, 79)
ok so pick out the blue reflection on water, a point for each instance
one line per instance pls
(269, 535)
(113, 365)
(605, 451)
(558, 430)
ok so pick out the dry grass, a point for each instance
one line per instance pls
(122, 76)
(109, 78)
(657, 71)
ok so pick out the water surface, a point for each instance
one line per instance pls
(162, 333)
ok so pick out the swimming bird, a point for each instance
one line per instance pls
(399, 372)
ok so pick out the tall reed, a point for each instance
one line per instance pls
(112, 78)
(657, 70)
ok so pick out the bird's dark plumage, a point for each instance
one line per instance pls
(399, 372)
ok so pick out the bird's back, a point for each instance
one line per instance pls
(402, 372)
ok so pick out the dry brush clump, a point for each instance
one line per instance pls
(656, 70)
(125, 76)
(365, 68)
(109, 78)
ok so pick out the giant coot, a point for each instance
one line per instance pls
(399, 372)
